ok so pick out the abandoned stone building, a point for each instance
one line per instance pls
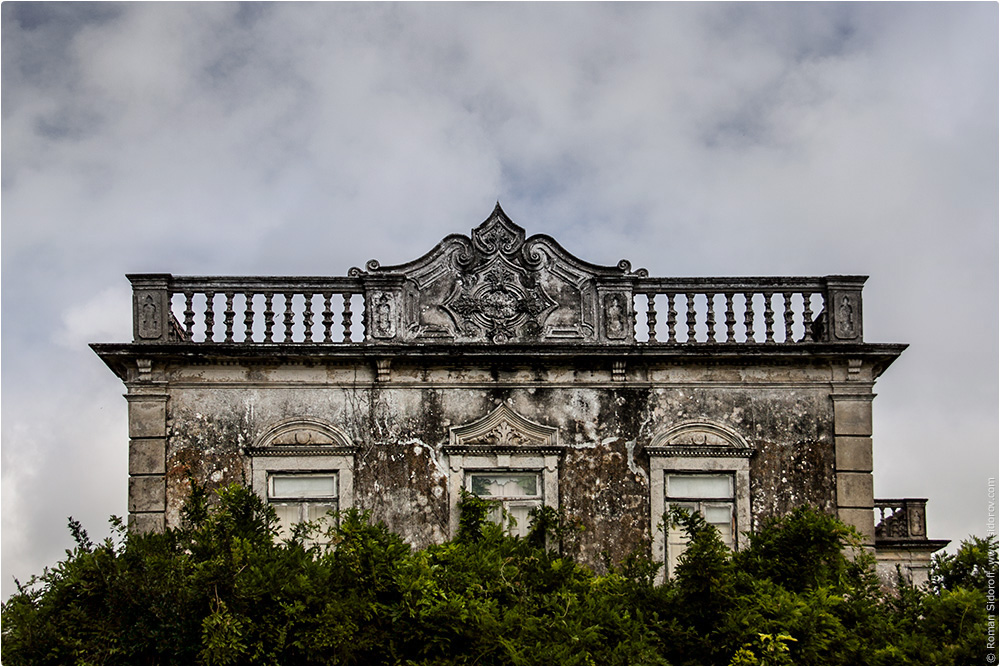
(506, 366)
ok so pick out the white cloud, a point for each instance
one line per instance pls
(105, 317)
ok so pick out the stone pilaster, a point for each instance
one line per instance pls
(147, 430)
(852, 415)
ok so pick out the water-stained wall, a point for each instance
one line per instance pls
(216, 413)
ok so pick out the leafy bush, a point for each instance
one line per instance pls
(224, 589)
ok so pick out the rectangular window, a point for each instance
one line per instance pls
(516, 492)
(298, 497)
(710, 494)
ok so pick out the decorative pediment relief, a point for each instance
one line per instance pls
(495, 286)
(300, 436)
(502, 301)
(699, 439)
(504, 429)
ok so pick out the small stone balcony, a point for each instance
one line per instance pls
(901, 540)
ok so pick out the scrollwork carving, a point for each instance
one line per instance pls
(534, 255)
(496, 286)
(504, 428)
(464, 255)
(498, 235)
(500, 302)
(700, 439)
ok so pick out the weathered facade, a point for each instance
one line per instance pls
(505, 365)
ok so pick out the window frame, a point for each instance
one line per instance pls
(303, 502)
(501, 441)
(462, 464)
(327, 450)
(701, 504)
(697, 448)
(506, 502)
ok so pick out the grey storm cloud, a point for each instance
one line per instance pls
(305, 138)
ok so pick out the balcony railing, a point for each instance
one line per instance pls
(900, 519)
(734, 310)
(338, 310)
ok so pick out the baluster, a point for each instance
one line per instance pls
(710, 317)
(365, 335)
(229, 316)
(327, 318)
(289, 316)
(730, 319)
(189, 315)
(789, 316)
(671, 319)
(807, 316)
(651, 316)
(209, 316)
(748, 316)
(248, 318)
(307, 319)
(268, 317)
(347, 318)
(691, 317)
(768, 318)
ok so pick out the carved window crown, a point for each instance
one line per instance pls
(699, 439)
(503, 429)
(300, 436)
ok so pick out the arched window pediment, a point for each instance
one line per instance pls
(699, 438)
(304, 436)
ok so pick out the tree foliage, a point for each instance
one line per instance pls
(223, 589)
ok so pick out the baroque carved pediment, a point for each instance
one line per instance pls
(496, 286)
(501, 300)
(504, 429)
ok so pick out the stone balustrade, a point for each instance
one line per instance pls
(750, 310)
(900, 519)
(245, 310)
(323, 310)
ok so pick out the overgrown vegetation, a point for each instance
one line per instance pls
(223, 589)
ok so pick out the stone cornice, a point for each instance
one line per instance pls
(687, 451)
(121, 356)
(302, 450)
(499, 449)
(883, 544)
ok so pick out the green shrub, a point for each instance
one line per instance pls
(224, 589)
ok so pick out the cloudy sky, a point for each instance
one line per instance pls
(693, 139)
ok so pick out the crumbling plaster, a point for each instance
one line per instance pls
(215, 412)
